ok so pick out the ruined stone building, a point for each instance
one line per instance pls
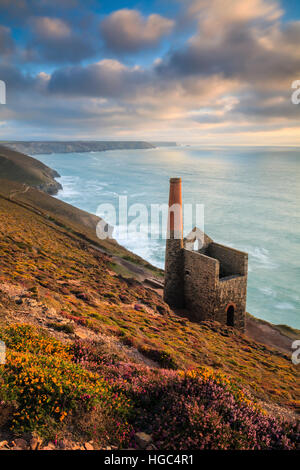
(209, 280)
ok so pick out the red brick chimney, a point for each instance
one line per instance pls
(175, 227)
(174, 289)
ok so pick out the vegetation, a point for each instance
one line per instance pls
(138, 365)
(40, 147)
(50, 386)
(21, 168)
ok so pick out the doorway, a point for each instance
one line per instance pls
(230, 315)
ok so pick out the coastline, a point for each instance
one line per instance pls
(259, 329)
(49, 147)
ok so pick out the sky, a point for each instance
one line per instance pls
(213, 72)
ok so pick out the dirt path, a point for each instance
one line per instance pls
(265, 333)
(14, 193)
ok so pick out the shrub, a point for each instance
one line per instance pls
(86, 386)
(163, 358)
(201, 410)
(65, 327)
(47, 386)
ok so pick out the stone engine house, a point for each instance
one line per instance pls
(210, 281)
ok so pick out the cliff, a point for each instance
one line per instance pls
(93, 351)
(39, 147)
(21, 168)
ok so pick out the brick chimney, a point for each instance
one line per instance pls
(174, 289)
(175, 228)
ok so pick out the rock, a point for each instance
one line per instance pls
(88, 446)
(35, 442)
(63, 444)
(50, 446)
(138, 307)
(151, 447)
(82, 296)
(3, 444)
(161, 309)
(143, 439)
(20, 443)
(81, 334)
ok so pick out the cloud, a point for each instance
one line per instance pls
(214, 12)
(7, 45)
(246, 42)
(54, 40)
(51, 28)
(128, 31)
(16, 80)
(107, 78)
(18, 11)
(231, 78)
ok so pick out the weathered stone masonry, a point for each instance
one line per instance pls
(210, 282)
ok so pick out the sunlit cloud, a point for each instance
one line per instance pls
(229, 80)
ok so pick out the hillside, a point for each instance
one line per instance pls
(21, 168)
(41, 147)
(94, 353)
(131, 362)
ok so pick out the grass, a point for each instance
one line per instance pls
(52, 389)
(26, 170)
(67, 328)
(54, 266)
(286, 330)
(46, 386)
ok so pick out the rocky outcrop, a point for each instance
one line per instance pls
(35, 148)
(20, 168)
(50, 188)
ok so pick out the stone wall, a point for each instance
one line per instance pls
(207, 297)
(232, 292)
(174, 268)
(200, 278)
(206, 282)
(231, 261)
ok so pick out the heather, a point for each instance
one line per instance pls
(45, 387)
(49, 385)
(196, 409)
(51, 277)
(94, 354)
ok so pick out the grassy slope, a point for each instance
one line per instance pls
(66, 217)
(40, 147)
(55, 274)
(291, 333)
(16, 166)
(66, 274)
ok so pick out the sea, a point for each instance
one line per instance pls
(249, 198)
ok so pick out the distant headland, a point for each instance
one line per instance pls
(78, 146)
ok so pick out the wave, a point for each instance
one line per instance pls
(267, 291)
(69, 187)
(285, 306)
(260, 257)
